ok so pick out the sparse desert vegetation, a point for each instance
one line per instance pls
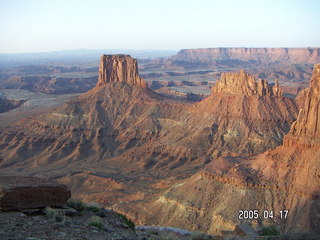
(96, 221)
(105, 134)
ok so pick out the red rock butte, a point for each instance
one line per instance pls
(119, 68)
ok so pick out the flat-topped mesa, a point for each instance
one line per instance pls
(119, 68)
(212, 56)
(245, 84)
(306, 130)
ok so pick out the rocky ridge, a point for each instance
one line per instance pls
(245, 84)
(286, 177)
(9, 104)
(212, 56)
(298, 158)
(246, 107)
(132, 117)
(306, 128)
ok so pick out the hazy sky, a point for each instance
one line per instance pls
(48, 25)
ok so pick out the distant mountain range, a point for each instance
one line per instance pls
(76, 56)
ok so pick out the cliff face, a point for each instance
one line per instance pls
(250, 115)
(245, 84)
(260, 55)
(306, 130)
(119, 68)
(295, 164)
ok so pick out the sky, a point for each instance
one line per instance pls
(54, 25)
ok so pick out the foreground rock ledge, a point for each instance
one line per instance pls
(30, 192)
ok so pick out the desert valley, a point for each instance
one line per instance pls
(191, 140)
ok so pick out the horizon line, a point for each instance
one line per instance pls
(147, 49)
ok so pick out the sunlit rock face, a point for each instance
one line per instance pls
(119, 68)
(245, 84)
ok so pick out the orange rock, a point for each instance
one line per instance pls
(245, 84)
(119, 68)
(295, 164)
(307, 126)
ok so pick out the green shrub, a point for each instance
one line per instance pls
(269, 231)
(61, 219)
(94, 207)
(55, 215)
(76, 204)
(96, 221)
(51, 212)
(127, 221)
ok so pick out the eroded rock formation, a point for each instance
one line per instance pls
(251, 115)
(306, 130)
(245, 84)
(119, 68)
(286, 177)
(112, 131)
(295, 164)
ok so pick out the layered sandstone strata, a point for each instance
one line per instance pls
(114, 127)
(286, 177)
(253, 55)
(245, 84)
(295, 164)
(119, 68)
(306, 130)
(250, 116)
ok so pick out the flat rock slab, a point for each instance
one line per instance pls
(17, 193)
(245, 229)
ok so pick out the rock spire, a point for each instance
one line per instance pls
(306, 130)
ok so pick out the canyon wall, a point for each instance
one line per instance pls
(306, 129)
(284, 178)
(295, 164)
(211, 56)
